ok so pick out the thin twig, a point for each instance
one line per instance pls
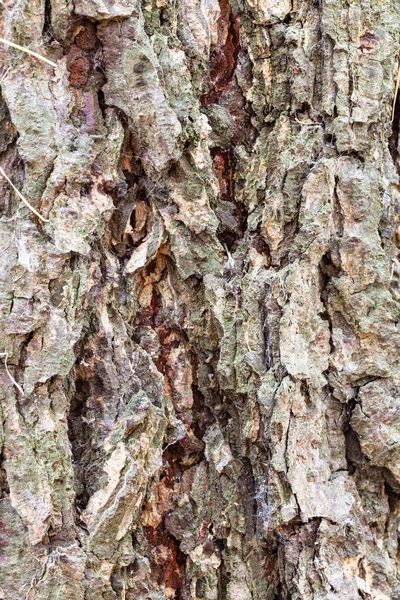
(35, 54)
(308, 123)
(396, 91)
(19, 388)
(22, 198)
(4, 76)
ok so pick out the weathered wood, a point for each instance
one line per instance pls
(205, 328)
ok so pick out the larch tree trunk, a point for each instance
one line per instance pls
(199, 335)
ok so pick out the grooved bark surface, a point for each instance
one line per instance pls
(205, 333)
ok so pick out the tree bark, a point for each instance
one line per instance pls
(200, 342)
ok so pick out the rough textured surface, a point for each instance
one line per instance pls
(206, 330)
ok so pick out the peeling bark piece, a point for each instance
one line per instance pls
(149, 247)
(198, 29)
(105, 9)
(134, 85)
(376, 419)
(304, 335)
(31, 106)
(77, 218)
(13, 537)
(270, 11)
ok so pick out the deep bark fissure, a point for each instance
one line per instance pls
(47, 29)
(224, 58)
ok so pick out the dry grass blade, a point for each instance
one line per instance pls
(19, 388)
(23, 49)
(396, 91)
(22, 197)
